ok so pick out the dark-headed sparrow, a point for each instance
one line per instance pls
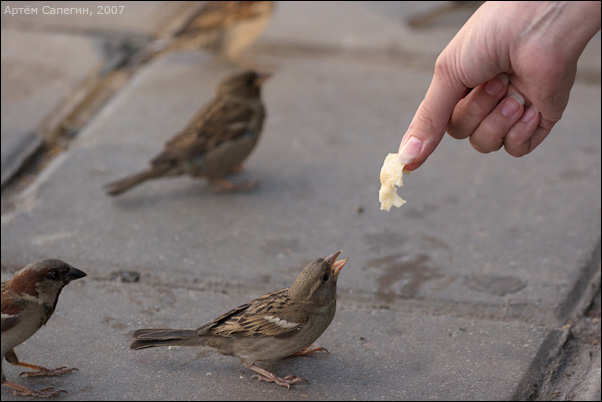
(217, 139)
(28, 300)
(280, 324)
(224, 27)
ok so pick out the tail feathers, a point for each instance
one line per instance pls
(151, 338)
(123, 185)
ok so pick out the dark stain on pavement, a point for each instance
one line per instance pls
(412, 271)
(494, 284)
(114, 323)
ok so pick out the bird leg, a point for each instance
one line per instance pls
(12, 358)
(225, 186)
(42, 371)
(310, 351)
(266, 376)
(21, 390)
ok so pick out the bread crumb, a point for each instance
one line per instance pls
(391, 175)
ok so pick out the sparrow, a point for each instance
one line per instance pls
(28, 300)
(216, 140)
(282, 323)
(224, 27)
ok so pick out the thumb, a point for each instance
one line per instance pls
(430, 121)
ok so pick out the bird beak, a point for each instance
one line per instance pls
(336, 265)
(74, 274)
(262, 77)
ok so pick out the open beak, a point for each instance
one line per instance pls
(336, 265)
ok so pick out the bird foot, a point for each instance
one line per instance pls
(284, 382)
(225, 186)
(266, 376)
(310, 351)
(44, 393)
(24, 391)
(44, 372)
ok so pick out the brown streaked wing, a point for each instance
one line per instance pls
(212, 16)
(11, 308)
(222, 121)
(271, 315)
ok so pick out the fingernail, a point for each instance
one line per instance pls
(410, 150)
(497, 84)
(512, 104)
(529, 114)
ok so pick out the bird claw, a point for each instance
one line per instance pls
(291, 379)
(44, 393)
(310, 351)
(284, 382)
(44, 372)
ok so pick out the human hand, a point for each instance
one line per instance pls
(520, 60)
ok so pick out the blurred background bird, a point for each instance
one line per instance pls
(216, 140)
(224, 27)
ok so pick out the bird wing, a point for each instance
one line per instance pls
(220, 121)
(274, 314)
(11, 309)
(216, 15)
(211, 16)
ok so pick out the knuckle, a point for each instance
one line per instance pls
(486, 143)
(515, 150)
(456, 132)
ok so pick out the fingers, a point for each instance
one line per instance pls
(526, 134)
(492, 119)
(477, 105)
(430, 121)
(491, 132)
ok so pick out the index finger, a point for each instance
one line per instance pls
(430, 121)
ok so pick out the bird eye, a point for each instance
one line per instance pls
(325, 277)
(52, 275)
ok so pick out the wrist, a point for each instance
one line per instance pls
(572, 24)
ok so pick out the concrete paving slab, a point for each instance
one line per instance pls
(460, 294)
(356, 26)
(126, 17)
(374, 354)
(41, 73)
(380, 27)
(467, 242)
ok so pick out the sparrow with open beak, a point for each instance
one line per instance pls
(280, 324)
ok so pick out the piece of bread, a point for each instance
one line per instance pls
(391, 175)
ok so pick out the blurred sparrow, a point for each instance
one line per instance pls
(225, 27)
(217, 139)
(280, 324)
(28, 301)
